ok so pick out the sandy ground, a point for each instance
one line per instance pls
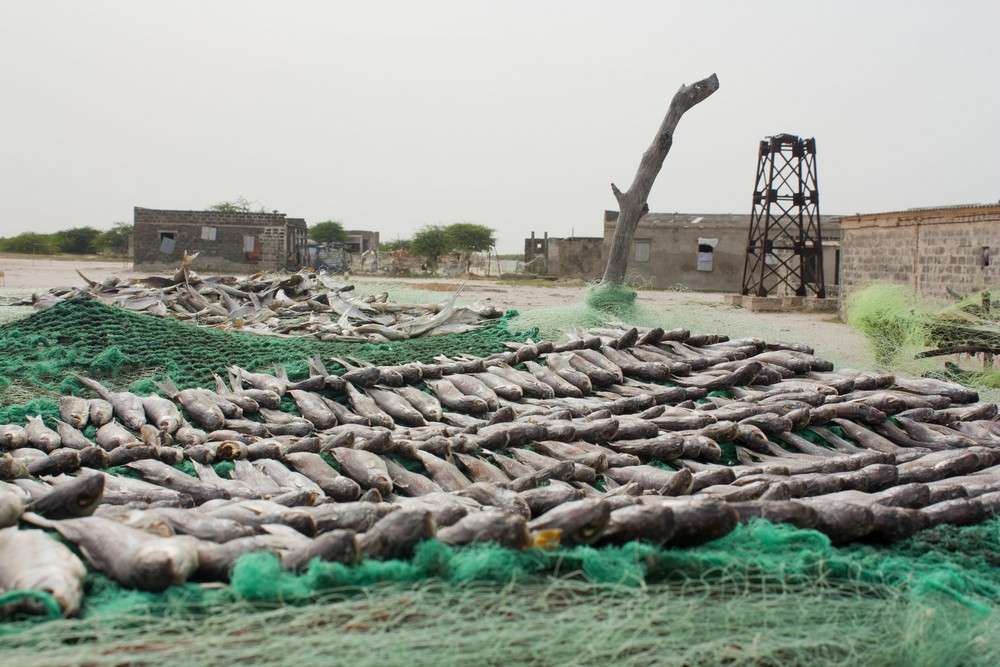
(697, 311)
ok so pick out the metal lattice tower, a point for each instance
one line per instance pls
(785, 246)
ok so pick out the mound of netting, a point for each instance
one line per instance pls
(908, 332)
(83, 335)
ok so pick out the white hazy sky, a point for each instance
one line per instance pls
(516, 115)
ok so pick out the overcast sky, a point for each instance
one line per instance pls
(515, 115)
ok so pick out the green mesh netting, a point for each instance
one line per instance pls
(892, 317)
(128, 350)
(900, 325)
(763, 595)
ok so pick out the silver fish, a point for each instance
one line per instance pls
(74, 411)
(126, 405)
(132, 557)
(33, 560)
(40, 435)
(13, 436)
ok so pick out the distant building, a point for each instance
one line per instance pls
(361, 241)
(577, 258)
(701, 251)
(225, 241)
(927, 249)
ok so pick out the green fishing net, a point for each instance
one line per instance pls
(763, 595)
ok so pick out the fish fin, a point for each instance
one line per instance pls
(167, 386)
(346, 364)
(87, 280)
(316, 366)
(220, 384)
(101, 390)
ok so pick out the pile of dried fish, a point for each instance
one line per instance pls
(617, 435)
(303, 304)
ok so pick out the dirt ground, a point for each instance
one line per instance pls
(698, 311)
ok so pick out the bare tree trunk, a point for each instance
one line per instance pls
(632, 203)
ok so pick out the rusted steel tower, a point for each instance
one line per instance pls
(785, 246)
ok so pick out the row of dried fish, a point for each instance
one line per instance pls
(631, 459)
(303, 304)
(162, 544)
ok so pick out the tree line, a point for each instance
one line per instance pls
(74, 241)
(437, 241)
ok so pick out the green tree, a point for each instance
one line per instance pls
(114, 241)
(29, 243)
(329, 231)
(398, 244)
(76, 241)
(467, 238)
(238, 205)
(432, 242)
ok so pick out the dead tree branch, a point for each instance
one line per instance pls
(632, 203)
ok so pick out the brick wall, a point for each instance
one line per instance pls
(277, 236)
(928, 250)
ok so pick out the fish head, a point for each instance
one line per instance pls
(89, 492)
(161, 563)
(61, 583)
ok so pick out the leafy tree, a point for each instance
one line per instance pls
(431, 241)
(76, 241)
(29, 243)
(398, 244)
(467, 238)
(114, 241)
(329, 231)
(238, 205)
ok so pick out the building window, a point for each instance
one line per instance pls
(167, 242)
(706, 253)
(984, 258)
(251, 246)
(208, 233)
(642, 251)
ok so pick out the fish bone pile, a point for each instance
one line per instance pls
(616, 435)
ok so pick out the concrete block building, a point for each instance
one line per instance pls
(701, 251)
(225, 241)
(928, 249)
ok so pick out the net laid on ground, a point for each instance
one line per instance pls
(86, 336)
(762, 594)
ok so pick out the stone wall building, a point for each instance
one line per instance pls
(928, 249)
(224, 241)
(701, 251)
(577, 258)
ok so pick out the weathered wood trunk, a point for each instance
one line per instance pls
(632, 203)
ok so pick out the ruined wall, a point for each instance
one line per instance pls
(225, 241)
(928, 250)
(576, 259)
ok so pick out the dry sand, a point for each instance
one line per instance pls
(698, 311)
